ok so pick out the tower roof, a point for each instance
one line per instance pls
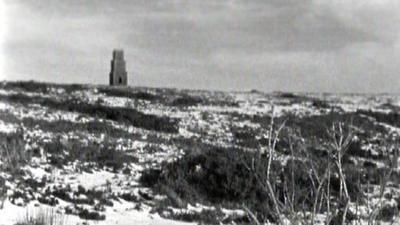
(118, 54)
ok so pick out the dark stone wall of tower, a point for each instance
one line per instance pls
(118, 74)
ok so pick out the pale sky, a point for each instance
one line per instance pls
(269, 45)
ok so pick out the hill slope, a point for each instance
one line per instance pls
(159, 156)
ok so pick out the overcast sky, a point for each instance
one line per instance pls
(270, 45)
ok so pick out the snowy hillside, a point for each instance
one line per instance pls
(87, 154)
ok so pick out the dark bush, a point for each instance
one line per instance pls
(130, 197)
(356, 150)
(319, 104)
(91, 215)
(387, 213)
(66, 194)
(27, 86)
(61, 193)
(288, 95)
(40, 87)
(186, 100)
(338, 217)
(391, 118)
(127, 93)
(126, 171)
(245, 138)
(103, 156)
(149, 177)
(203, 217)
(222, 176)
(48, 200)
(35, 184)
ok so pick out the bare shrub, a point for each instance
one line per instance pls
(13, 157)
(13, 153)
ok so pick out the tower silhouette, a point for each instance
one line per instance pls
(118, 74)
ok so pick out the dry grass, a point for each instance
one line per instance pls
(42, 217)
(13, 153)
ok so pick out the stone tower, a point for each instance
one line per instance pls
(118, 74)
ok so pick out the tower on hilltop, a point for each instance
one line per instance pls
(118, 74)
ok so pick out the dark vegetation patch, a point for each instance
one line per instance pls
(7, 117)
(248, 137)
(120, 114)
(236, 116)
(90, 195)
(183, 99)
(103, 155)
(320, 104)
(288, 95)
(312, 128)
(206, 177)
(302, 98)
(315, 126)
(299, 98)
(128, 93)
(387, 213)
(205, 216)
(222, 176)
(48, 200)
(161, 95)
(91, 215)
(39, 87)
(19, 194)
(65, 126)
(222, 103)
(83, 213)
(35, 184)
(390, 106)
(27, 86)
(187, 100)
(13, 153)
(391, 118)
(130, 197)
(355, 149)
(245, 138)
(212, 175)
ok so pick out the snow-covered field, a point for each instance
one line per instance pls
(65, 172)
